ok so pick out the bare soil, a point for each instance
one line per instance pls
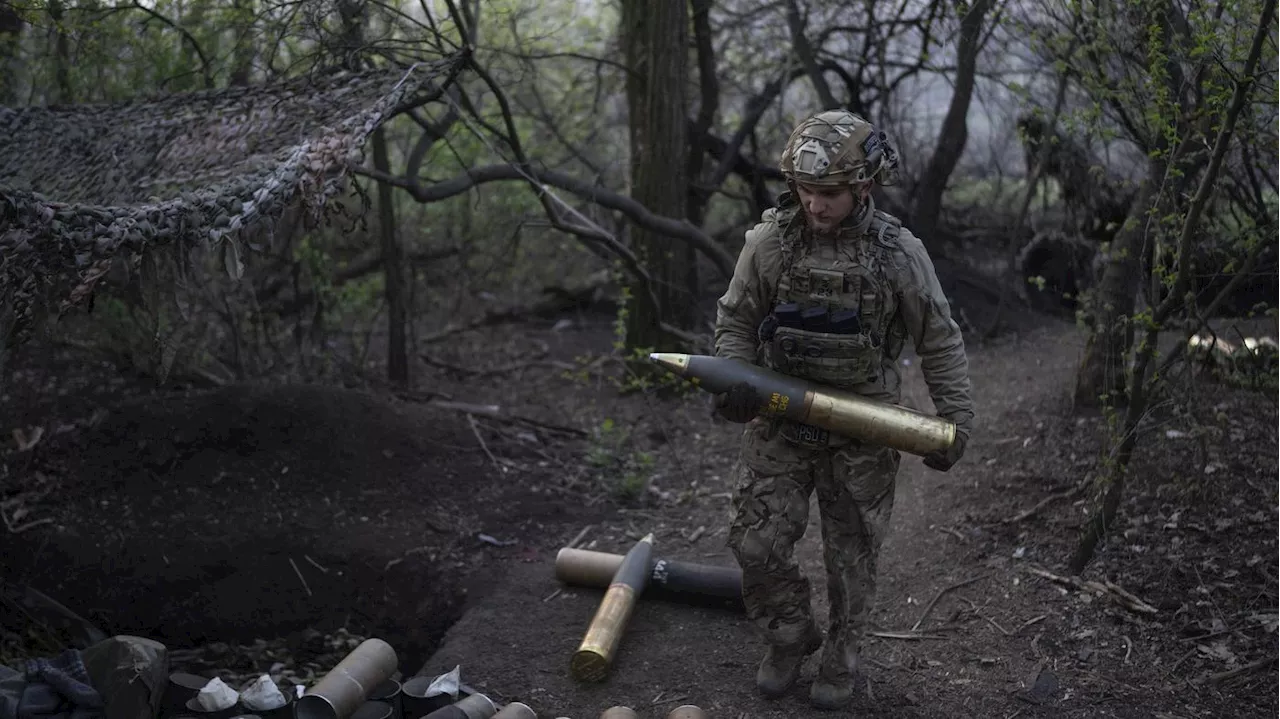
(198, 515)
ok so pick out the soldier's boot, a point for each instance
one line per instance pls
(833, 687)
(781, 665)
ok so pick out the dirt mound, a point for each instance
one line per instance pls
(248, 512)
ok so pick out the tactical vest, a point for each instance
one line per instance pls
(833, 305)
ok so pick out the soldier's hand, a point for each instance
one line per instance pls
(740, 404)
(943, 460)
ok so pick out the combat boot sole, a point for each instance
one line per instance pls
(781, 665)
(829, 695)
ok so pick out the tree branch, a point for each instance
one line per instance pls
(1207, 183)
(205, 68)
(804, 51)
(634, 211)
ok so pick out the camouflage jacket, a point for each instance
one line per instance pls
(913, 303)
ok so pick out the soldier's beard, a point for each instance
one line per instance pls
(828, 226)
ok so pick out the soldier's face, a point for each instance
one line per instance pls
(826, 207)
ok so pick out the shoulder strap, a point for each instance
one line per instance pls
(885, 228)
(789, 226)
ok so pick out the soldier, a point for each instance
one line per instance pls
(828, 288)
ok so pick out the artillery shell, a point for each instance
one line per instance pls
(596, 652)
(842, 412)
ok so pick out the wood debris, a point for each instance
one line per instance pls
(1106, 588)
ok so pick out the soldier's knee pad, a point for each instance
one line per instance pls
(754, 550)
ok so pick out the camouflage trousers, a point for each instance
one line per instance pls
(774, 481)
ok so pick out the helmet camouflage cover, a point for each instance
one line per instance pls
(838, 147)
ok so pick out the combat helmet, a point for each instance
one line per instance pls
(838, 147)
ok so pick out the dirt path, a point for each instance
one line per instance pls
(1005, 644)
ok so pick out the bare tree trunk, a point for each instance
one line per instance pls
(393, 270)
(955, 127)
(11, 27)
(656, 37)
(61, 56)
(709, 102)
(804, 51)
(1100, 379)
(246, 46)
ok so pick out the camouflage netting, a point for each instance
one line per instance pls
(82, 186)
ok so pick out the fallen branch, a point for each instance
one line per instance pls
(1028, 514)
(475, 429)
(1109, 589)
(906, 636)
(300, 577)
(24, 527)
(494, 412)
(579, 536)
(1233, 673)
(924, 615)
(502, 369)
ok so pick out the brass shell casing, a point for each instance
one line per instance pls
(591, 662)
(688, 711)
(799, 400)
(516, 710)
(619, 712)
(346, 687)
(878, 422)
(586, 568)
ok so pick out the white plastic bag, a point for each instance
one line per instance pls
(216, 696)
(262, 695)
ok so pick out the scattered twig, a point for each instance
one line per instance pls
(697, 534)
(1233, 673)
(668, 700)
(27, 442)
(475, 429)
(906, 636)
(19, 529)
(1030, 622)
(300, 577)
(925, 615)
(1128, 648)
(1109, 589)
(551, 596)
(1029, 513)
(313, 563)
(499, 370)
(952, 531)
(494, 412)
(1179, 662)
(993, 623)
(579, 536)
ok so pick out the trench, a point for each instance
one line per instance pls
(193, 595)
